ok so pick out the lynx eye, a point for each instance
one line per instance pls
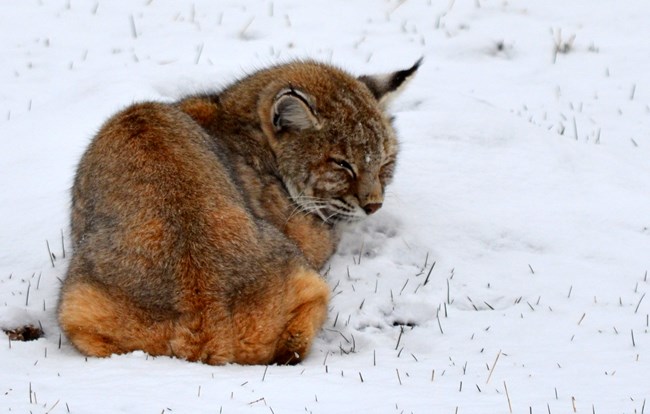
(345, 165)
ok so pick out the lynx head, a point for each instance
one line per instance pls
(334, 146)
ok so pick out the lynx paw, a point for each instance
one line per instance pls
(309, 294)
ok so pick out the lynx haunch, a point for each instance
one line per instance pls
(199, 227)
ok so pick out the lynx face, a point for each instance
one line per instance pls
(345, 167)
(334, 145)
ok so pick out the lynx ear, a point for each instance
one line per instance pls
(293, 109)
(385, 85)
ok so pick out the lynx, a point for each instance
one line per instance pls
(199, 227)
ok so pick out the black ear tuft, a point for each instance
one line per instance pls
(293, 109)
(382, 86)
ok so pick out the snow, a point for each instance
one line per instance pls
(524, 175)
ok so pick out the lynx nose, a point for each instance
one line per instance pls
(371, 208)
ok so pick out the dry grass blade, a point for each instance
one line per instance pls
(508, 397)
(493, 365)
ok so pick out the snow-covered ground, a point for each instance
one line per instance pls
(507, 271)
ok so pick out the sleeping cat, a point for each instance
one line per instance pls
(199, 226)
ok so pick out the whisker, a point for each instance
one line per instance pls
(330, 216)
(306, 197)
(307, 205)
(306, 208)
(328, 210)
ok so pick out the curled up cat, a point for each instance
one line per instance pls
(199, 226)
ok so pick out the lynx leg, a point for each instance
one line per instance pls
(99, 324)
(204, 335)
(307, 295)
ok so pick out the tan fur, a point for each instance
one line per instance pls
(199, 226)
